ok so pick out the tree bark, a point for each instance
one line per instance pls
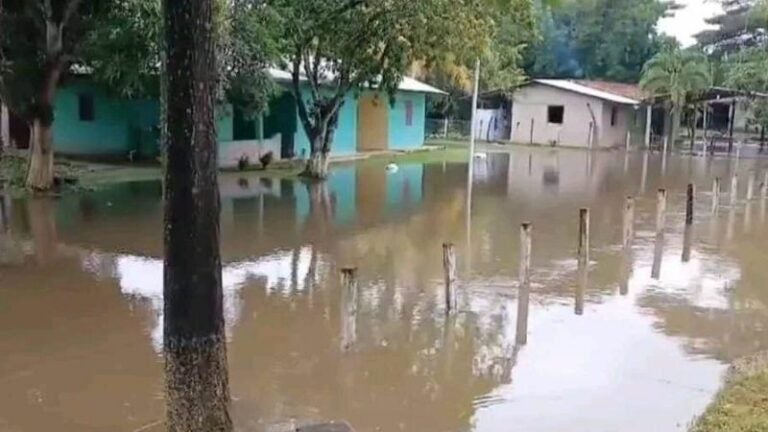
(674, 127)
(40, 169)
(196, 378)
(762, 138)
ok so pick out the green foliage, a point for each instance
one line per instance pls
(337, 46)
(741, 406)
(746, 71)
(676, 75)
(123, 52)
(596, 39)
(26, 56)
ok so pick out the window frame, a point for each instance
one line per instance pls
(551, 114)
(86, 107)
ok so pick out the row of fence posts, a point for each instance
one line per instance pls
(349, 279)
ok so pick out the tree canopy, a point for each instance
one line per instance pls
(333, 47)
(597, 39)
(742, 24)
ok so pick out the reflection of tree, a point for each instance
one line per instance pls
(42, 227)
(402, 373)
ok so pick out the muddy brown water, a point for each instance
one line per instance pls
(81, 299)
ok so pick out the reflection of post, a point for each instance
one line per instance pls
(687, 239)
(449, 269)
(583, 260)
(581, 288)
(730, 225)
(734, 188)
(626, 272)
(658, 251)
(689, 205)
(748, 217)
(349, 301)
(629, 220)
(715, 194)
(629, 139)
(644, 175)
(583, 250)
(523, 298)
(751, 186)
(764, 186)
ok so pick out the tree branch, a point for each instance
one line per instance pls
(300, 104)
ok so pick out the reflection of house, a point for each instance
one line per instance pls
(578, 113)
(91, 122)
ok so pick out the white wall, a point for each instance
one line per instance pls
(532, 102)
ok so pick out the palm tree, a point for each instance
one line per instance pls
(676, 75)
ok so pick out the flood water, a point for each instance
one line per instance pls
(81, 298)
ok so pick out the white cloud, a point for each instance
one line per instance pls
(689, 20)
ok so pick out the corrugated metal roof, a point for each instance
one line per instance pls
(407, 84)
(588, 91)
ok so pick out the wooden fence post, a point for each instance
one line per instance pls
(449, 268)
(629, 221)
(523, 299)
(689, 201)
(583, 250)
(715, 194)
(751, 186)
(734, 188)
(661, 209)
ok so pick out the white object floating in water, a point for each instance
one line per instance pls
(481, 155)
(392, 168)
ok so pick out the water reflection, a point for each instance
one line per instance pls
(93, 263)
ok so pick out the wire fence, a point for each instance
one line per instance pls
(447, 129)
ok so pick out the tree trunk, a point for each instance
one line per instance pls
(674, 127)
(317, 164)
(196, 378)
(762, 138)
(40, 169)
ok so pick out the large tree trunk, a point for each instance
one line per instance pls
(196, 378)
(40, 170)
(317, 164)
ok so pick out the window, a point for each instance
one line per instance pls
(555, 114)
(408, 113)
(85, 107)
(614, 115)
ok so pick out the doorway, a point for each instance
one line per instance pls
(372, 123)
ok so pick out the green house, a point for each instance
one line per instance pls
(91, 123)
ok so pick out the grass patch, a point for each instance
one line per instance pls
(447, 154)
(742, 404)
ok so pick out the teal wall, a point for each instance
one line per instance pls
(402, 136)
(344, 140)
(122, 125)
(119, 125)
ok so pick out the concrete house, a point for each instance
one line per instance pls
(92, 123)
(579, 113)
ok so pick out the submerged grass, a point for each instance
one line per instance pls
(742, 404)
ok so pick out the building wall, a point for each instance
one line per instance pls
(532, 102)
(119, 125)
(403, 136)
(344, 140)
(616, 135)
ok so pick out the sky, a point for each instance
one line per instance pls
(689, 20)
